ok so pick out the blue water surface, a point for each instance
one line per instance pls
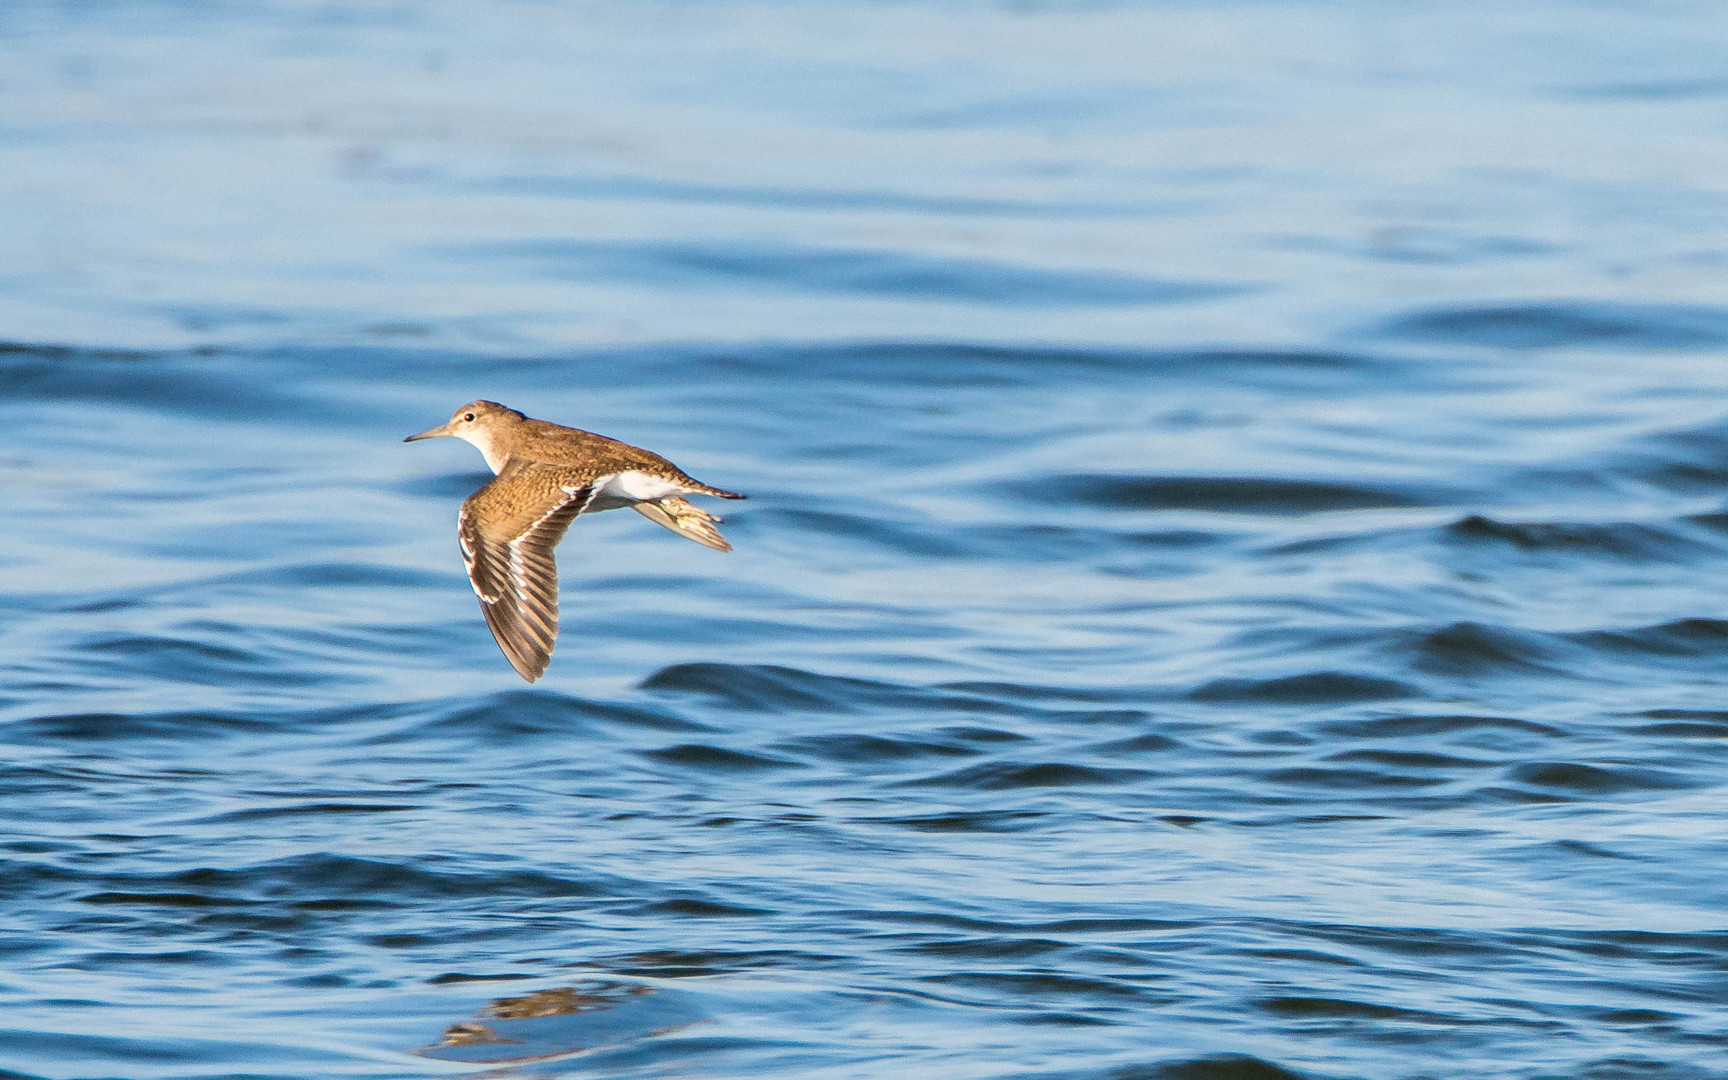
(1234, 585)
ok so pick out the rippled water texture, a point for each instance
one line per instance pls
(1235, 583)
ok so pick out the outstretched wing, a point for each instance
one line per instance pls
(508, 530)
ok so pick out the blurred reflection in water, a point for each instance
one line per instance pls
(563, 1020)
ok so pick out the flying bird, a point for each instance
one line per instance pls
(545, 475)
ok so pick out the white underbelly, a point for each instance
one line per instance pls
(625, 488)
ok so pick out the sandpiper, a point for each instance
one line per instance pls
(546, 474)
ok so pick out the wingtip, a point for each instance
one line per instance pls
(529, 674)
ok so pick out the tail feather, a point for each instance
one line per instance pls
(721, 493)
(690, 522)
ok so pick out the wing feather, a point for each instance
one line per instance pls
(508, 530)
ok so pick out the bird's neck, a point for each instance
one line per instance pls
(488, 443)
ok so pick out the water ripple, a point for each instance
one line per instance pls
(1209, 607)
(1550, 326)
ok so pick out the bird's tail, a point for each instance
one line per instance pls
(690, 522)
(700, 488)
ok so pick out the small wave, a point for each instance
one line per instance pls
(1681, 88)
(186, 660)
(1328, 1008)
(324, 575)
(1428, 246)
(984, 736)
(1046, 986)
(1022, 694)
(132, 727)
(176, 1052)
(717, 758)
(1347, 780)
(1691, 461)
(970, 821)
(1686, 723)
(685, 191)
(1404, 727)
(1624, 540)
(444, 486)
(26, 781)
(527, 714)
(1006, 947)
(1007, 776)
(875, 529)
(1311, 688)
(1023, 542)
(1584, 780)
(1221, 1067)
(1410, 759)
(901, 274)
(1470, 648)
(773, 687)
(1588, 850)
(1694, 637)
(336, 880)
(1208, 1067)
(697, 907)
(873, 748)
(315, 575)
(695, 963)
(776, 688)
(949, 365)
(177, 383)
(1402, 941)
(1149, 743)
(1568, 325)
(1220, 494)
(320, 809)
(155, 899)
(1110, 926)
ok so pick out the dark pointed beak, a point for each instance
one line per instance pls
(430, 433)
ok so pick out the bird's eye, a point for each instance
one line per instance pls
(468, 417)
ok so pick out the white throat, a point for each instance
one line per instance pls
(482, 441)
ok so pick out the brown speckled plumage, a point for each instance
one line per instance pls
(547, 475)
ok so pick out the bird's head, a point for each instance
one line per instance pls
(478, 422)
